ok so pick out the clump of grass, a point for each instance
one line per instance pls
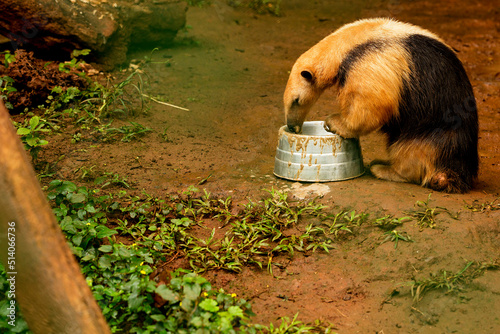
(257, 233)
(108, 179)
(477, 206)
(107, 100)
(296, 326)
(449, 281)
(396, 236)
(344, 222)
(426, 215)
(86, 173)
(129, 132)
(389, 222)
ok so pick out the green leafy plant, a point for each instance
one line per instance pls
(6, 321)
(8, 58)
(191, 306)
(6, 88)
(31, 135)
(92, 106)
(74, 63)
(164, 135)
(81, 216)
(118, 274)
(119, 240)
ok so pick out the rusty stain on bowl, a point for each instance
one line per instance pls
(316, 155)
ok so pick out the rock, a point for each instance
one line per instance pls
(107, 27)
(301, 191)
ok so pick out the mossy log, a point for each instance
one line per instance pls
(43, 274)
(107, 27)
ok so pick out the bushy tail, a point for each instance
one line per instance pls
(449, 181)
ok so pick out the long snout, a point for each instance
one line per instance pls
(294, 127)
(295, 117)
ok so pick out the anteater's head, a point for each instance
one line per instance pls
(300, 95)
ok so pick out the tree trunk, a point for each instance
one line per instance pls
(106, 27)
(44, 277)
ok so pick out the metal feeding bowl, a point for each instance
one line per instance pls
(317, 155)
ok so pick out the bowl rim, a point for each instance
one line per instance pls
(284, 129)
(318, 180)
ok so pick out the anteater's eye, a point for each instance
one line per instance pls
(296, 102)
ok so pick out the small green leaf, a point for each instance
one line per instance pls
(103, 231)
(34, 122)
(77, 239)
(67, 225)
(209, 305)
(57, 89)
(186, 304)
(77, 53)
(77, 198)
(192, 291)
(91, 209)
(23, 131)
(197, 322)
(124, 252)
(235, 311)
(158, 317)
(164, 292)
(106, 248)
(100, 179)
(32, 141)
(105, 261)
(134, 301)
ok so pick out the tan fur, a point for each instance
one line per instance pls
(372, 96)
(410, 161)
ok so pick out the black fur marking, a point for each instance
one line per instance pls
(358, 52)
(438, 105)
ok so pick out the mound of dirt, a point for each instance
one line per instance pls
(34, 79)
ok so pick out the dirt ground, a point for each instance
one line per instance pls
(230, 69)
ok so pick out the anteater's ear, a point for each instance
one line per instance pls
(308, 75)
